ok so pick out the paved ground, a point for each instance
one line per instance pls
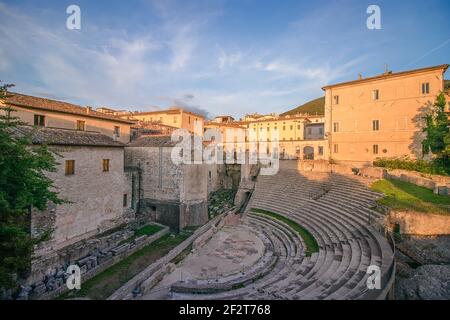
(230, 251)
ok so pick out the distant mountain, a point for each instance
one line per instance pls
(316, 106)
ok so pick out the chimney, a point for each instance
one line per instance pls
(88, 109)
(359, 76)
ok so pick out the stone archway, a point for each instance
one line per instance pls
(308, 153)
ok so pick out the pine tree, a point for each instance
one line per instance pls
(23, 186)
(437, 133)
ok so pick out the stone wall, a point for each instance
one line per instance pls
(418, 223)
(439, 184)
(171, 194)
(95, 198)
(91, 255)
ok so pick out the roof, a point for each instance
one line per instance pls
(152, 141)
(25, 101)
(313, 107)
(388, 75)
(65, 137)
(173, 110)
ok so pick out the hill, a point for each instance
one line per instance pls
(316, 106)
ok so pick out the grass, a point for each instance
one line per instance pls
(102, 285)
(406, 196)
(308, 238)
(145, 230)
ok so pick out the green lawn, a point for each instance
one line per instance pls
(102, 285)
(308, 238)
(407, 196)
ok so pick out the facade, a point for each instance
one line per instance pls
(381, 116)
(175, 117)
(89, 176)
(172, 194)
(57, 114)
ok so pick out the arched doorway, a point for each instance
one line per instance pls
(308, 153)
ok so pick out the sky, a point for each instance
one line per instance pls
(213, 57)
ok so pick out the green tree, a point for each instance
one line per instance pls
(23, 186)
(437, 132)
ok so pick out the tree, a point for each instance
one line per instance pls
(437, 132)
(23, 186)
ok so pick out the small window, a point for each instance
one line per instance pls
(292, 127)
(336, 148)
(70, 167)
(125, 200)
(209, 173)
(284, 128)
(320, 130)
(175, 119)
(39, 120)
(189, 119)
(375, 125)
(268, 128)
(426, 88)
(309, 131)
(375, 149)
(298, 127)
(336, 99)
(117, 131)
(105, 165)
(376, 94)
(336, 127)
(320, 150)
(81, 125)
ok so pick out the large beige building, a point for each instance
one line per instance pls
(175, 117)
(380, 116)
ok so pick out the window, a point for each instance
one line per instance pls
(336, 99)
(320, 150)
(335, 126)
(81, 125)
(39, 120)
(375, 149)
(426, 88)
(105, 165)
(70, 167)
(298, 127)
(292, 127)
(376, 94)
(125, 200)
(309, 131)
(209, 173)
(117, 131)
(175, 119)
(336, 148)
(268, 128)
(375, 125)
(320, 130)
(189, 120)
(284, 128)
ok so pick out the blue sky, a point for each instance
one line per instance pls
(217, 57)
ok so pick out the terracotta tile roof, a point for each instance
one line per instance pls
(388, 75)
(54, 136)
(25, 101)
(152, 141)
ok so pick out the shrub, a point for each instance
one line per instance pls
(431, 167)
